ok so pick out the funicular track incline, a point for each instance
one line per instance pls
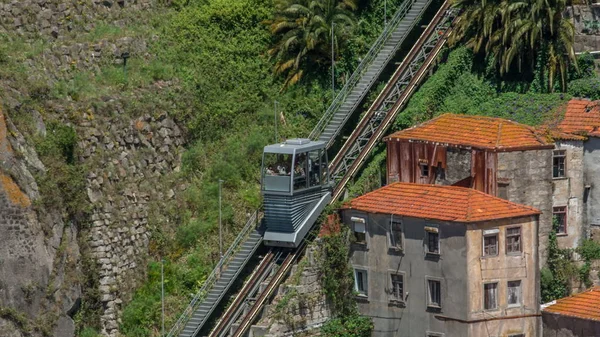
(348, 160)
(392, 98)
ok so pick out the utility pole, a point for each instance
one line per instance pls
(162, 294)
(220, 226)
(332, 62)
(385, 13)
(275, 114)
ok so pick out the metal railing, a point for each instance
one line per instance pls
(214, 276)
(357, 74)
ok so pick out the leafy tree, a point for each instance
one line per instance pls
(514, 33)
(302, 30)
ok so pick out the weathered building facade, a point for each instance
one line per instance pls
(492, 155)
(432, 260)
(575, 171)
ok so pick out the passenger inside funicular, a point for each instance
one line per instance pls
(278, 164)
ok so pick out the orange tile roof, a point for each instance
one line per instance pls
(584, 305)
(582, 118)
(449, 203)
(474, 131)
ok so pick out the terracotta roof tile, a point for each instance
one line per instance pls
(584, 305)
(581, 118)
(448, 203)
(474, 131)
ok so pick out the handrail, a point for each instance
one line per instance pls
(213, 277)
(357, 74)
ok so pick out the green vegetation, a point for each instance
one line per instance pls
(304, 32)
(556, 276)
(516, 36)
(337, 280)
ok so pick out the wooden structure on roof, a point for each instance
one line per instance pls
(419, 154)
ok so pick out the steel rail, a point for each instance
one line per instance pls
(214, 276)
(370, 130)
(229, 314)
(273, 284)
(379, 101)
(359, 71)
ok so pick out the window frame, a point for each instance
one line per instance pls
(424, 168)
(432, 229)
(495, 296)
(565, 224)
(363, 221)
(393, 298)
(492, 233)
(520, 294)
(559, 154)
(428, 299)
(392, 238)
(365, 281)
(506, 238)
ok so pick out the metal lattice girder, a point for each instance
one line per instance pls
(368, 71)
(392, 98)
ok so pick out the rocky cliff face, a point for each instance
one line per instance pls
(39, 254)
(130, 150)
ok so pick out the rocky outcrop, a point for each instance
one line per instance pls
(38, 251)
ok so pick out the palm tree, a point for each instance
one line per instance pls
(302, 29)
(513, 32)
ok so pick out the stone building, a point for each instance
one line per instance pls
(493, 155)
(577, 315)
(575, 168)
(434, 260)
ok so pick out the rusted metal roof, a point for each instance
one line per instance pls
(584, 305)
(582, 118)
(448, 203)
(479, 132)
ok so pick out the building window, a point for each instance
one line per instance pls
(432, 236)
(434, 334)
(560, 217)
(514, 293)
(517, 335)
(424, 170)
(360, 230)
(513, 240)
(490, 293)
(558, 163)
(360, 282)
(490, 242)
(434, 290)
(396, 234)
(397, 287)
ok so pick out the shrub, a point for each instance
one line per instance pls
(585, 88)
(353, 326)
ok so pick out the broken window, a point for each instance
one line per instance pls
(360, 230)
(424, 170)
(490, 293)
(514, 293)
(490, 242)
(396, 234)
(558, 163)
(434, 289)
(433, 240)
(397, 287)
(560, 217)
(360, 281)
(513, 240)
